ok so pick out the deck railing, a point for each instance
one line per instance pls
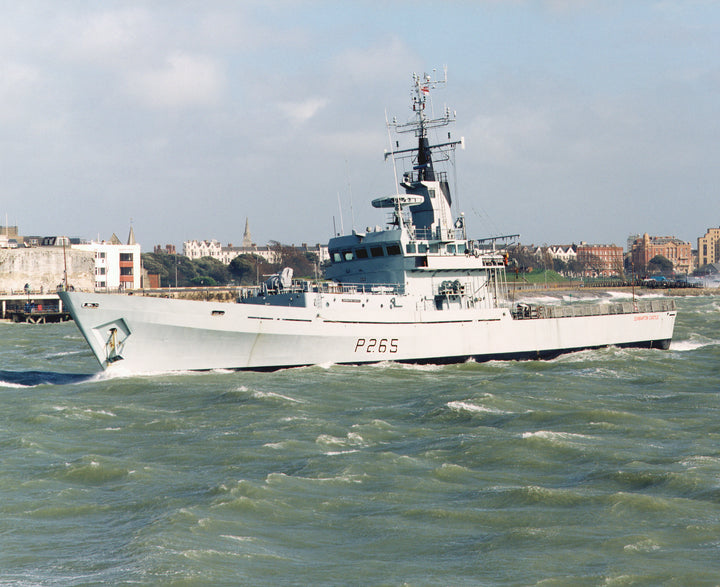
(332, 287)
(529, 311)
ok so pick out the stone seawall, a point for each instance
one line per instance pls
(43, 268)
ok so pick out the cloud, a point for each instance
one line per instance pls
(300, 112)
(16, 79)
(380, 61)
(183, 81)
(109, 35)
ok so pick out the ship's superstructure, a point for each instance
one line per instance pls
(417, 290)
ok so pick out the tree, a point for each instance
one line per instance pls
(244, 269)
(560, 266)
(575, 267)
(303, 263)
(203, 281)
(214, 269)
(660, 264)
(169, 266)
(592, 264)
(521, 256)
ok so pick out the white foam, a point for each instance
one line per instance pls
(554, 436)
(13, 385)
(466, 406)
(352, 439)
(690, 345)
(273, 395)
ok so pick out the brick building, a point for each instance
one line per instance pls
(645, 248)
(600, 260)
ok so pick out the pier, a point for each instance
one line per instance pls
(34, 308)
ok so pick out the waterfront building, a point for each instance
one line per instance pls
(600, 260)
(117, 265)
(195, 249)
(646, 247)
(709, 247)
(564, 253)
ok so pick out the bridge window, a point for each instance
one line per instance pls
(336, 256)
(348, 255)
(361, 253)
(377, 251)
(394, 249)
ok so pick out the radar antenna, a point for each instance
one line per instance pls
(423, 164)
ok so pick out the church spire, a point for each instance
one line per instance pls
(247, 239)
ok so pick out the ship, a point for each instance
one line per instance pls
(416, 290)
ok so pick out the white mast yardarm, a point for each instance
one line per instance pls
(415, 291)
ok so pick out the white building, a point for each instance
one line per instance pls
(211, 248)
(195, 249)
(198, 249)
(117, 265)
(566, 253)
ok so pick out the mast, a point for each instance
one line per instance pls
(433, 215)
(422, 85)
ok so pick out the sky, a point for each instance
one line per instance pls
(583, 120)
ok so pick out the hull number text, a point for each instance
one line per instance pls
(376, 345)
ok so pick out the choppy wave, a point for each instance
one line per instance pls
(473, 407)
(556, 436)
(693, 344)
(598, 467)
(271, 395)
(21, 379)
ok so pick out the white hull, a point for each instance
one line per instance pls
(144, 334)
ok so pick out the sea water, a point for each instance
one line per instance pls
(596, 468)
